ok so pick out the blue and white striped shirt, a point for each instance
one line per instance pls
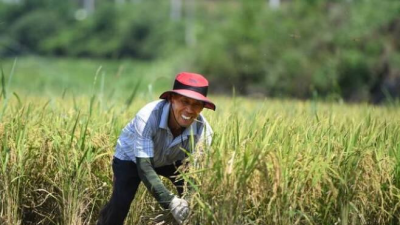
(148, 135)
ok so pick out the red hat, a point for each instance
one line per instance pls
(191, 85)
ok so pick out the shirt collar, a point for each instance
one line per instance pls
(164, 121)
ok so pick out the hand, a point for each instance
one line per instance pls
(179, 209)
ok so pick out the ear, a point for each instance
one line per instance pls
(170, 96)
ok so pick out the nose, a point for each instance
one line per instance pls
(190, 109)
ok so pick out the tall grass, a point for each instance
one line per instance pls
(271, 162)
(278, 163)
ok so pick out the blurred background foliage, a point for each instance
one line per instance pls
(333, 50)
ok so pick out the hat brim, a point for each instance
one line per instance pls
(191, 94)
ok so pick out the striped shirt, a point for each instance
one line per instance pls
(148, 135)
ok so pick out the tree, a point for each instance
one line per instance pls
(274, 4)
(176, 10)
(190, 35)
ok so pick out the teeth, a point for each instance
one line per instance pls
(186, 117)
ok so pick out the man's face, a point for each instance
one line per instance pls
(186, 110)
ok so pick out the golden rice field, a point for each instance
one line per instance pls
(271, 162)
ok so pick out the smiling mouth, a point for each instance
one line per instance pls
(186, 117)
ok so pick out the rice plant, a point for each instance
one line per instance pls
(271, 162)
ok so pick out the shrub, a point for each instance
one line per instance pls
(30, 30)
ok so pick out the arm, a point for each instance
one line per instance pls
(153, 183)
(179, 207)
(142, 131)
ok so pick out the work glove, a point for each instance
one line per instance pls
(179, 209)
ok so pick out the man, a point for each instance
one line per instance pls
(154, 143)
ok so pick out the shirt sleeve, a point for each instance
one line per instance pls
(206, 134)
(205, 139)
(142, 138)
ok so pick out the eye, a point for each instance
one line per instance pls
(185, 102)
(198, 105)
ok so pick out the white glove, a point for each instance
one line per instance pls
(179, 209)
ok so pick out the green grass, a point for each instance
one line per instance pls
(271, 161)
(40, 76)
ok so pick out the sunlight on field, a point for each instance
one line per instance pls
(271, 162)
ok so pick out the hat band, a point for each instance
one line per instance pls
(201, 90)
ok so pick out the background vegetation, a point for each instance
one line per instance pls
(344, 49)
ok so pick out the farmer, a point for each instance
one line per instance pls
(154, 143)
